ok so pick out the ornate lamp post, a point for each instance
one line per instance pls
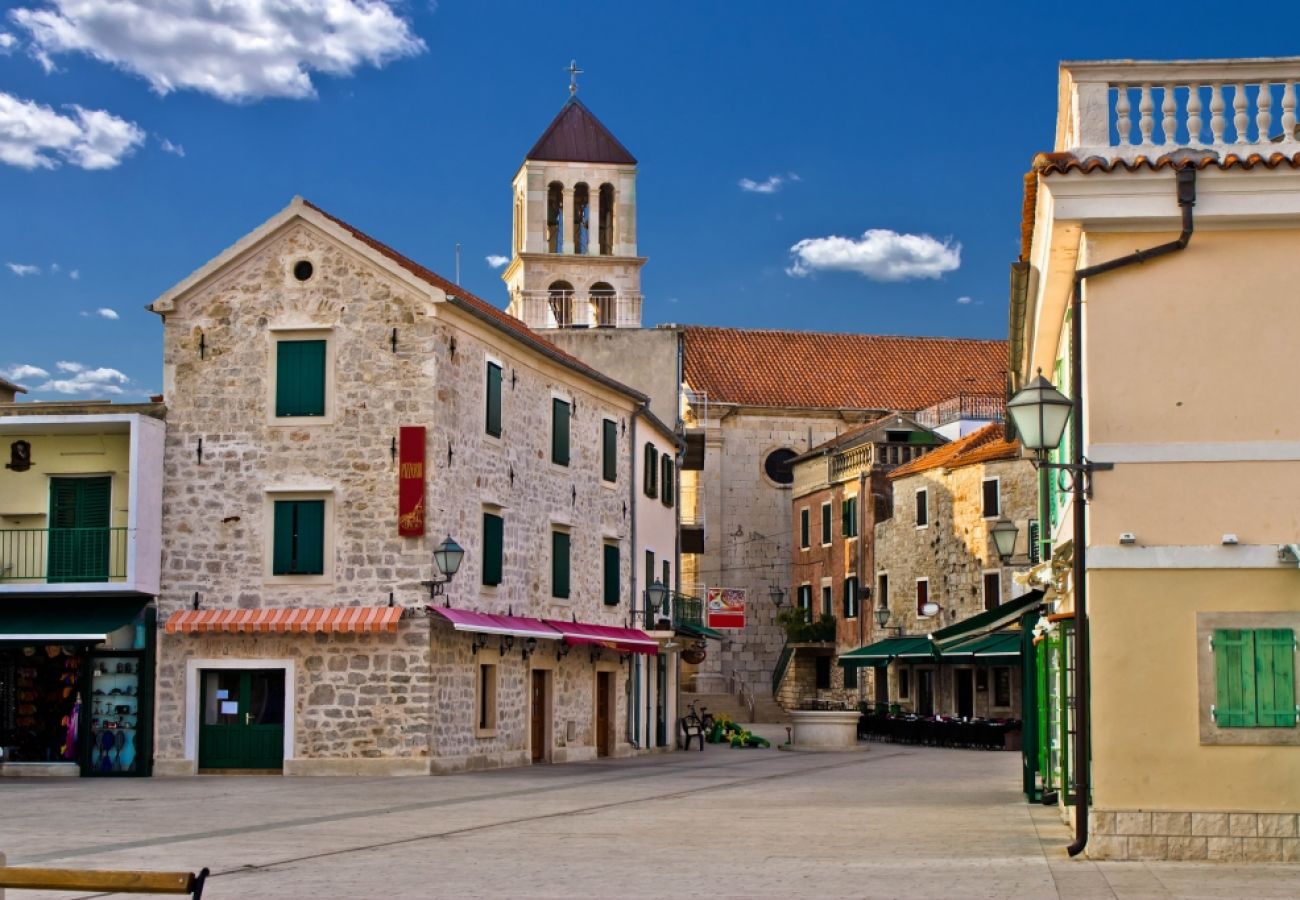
(1004, 533)
(447, 557)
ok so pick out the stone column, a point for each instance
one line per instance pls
(566, 219)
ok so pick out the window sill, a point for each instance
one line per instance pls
(317, 580)
(300, 421)
(484, 733)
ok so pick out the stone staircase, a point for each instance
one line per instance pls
(766, 710)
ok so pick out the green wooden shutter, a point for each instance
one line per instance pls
(1275, 677)
(494, 399)
(493, 548)
(309, 538)
(609, 450)
(559, 564)
(560, 431)
(651, 465)
(612, 585)
(300, 378)
(282, 548)
(1234, 674)
(666, 483)
(826, 523)
(803, 528)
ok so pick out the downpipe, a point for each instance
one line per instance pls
(1186, 184)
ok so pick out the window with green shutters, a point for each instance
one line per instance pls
(666, 488)
(609, 450)
(560, 564)
(612, 586)
(805, 601)
(299, 378)
(803, 529)
(851, 597)
(826, 524)
(828, 605)
(493, 412)
(1254, 674)
(299, 539)
(651, 466)
(79, 537)
(560, 412)
(849, 517)
(494, 532)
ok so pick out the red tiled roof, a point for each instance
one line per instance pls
(986, 445)
(576, 135)
(1063, 163)
(806, 369)
(482, 309)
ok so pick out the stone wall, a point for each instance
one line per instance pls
(1221, 837)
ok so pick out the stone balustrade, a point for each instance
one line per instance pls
(543, 309)
(1129, 108)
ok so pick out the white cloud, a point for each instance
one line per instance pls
(75, 274)
(22, 270)
(33, 136)
(107, 313)
(880, 254)
(497, 262)
(64, 366)
(770, 186)
(236, 51)
(168, 147)
(54, 267)
(964, 301)
(21, 371)
(7, 42)
(87, 381)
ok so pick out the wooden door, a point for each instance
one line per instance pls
(79, 529)
(603, 682)
(965, 693)
(538, 742)
(242, 724)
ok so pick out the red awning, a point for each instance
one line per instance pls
(624, 640)
(280, 621)
(489, 623)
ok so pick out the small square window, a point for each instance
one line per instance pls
(992, 498)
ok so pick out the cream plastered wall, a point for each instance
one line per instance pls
(1145, 740)
(25, 496)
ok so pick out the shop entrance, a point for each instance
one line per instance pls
(243, 719)
(538, 716)
(925, 692)
(603, 686)
(965, 693)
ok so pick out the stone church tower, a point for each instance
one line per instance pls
(574, 260)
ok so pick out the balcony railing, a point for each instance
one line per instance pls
(687, 610)
(976, 407)
(62, 555)
(540, 309)
(1128, 108)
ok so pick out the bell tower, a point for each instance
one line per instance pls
(574, 260)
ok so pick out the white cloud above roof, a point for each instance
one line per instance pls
(87, 381)
(22, 270)
(33, 136)
(497, 262)
(23, 370)
(880, 254)
(236, 51)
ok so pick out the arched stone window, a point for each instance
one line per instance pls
(560, 298)
(581, 218)
(603, 304)
(606, 220)
(554, 216)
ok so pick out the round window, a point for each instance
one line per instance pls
(777, 465)
(302, 270)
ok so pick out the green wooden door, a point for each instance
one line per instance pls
(79, 529)
(242, 723)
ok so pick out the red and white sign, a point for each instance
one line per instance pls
(410, 481)
(724, 607)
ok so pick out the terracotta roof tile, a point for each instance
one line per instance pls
(804, 369)
(483, 310)
(986, 445)
(1064, 163)
(576, 135)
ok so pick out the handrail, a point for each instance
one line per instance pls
(63, 555)
(782, 663)
(745, 693)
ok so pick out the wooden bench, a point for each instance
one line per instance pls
(97, 880)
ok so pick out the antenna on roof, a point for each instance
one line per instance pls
(574, 72)
(458, 262)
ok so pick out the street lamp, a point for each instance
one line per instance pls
(882, 616)
(1040, 413)
(777, 596)
(446, 558)
(1004, 533)
(656, 598)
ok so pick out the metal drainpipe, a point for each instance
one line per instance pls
(1186, 181)
(634, 708)
(863, 500)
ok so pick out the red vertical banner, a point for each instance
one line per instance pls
(410, 481)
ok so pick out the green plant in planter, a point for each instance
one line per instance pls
(800, 629)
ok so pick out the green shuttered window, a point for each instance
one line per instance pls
(299, 545)
(609, 450)
(494, 531)
(849, 517)
(560, 410)
(300, 378)
(1254, 672)
(826, 523)
(79, 537)
(803, 529)
(651, 470)
(666, 488)
(560, 564)
(612, 586)
(493, 417)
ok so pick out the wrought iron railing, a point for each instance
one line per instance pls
(687, 610)
(974, 407)
(782, 663)
(63, 555)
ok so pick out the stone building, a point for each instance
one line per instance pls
(9, 391)
(336, 410)
(840, 490)
(936, 566)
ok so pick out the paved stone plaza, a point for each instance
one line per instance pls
(888, 821)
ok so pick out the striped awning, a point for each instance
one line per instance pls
(281, 621)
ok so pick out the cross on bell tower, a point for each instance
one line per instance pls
(574, 72)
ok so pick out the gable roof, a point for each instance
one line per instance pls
(863, 433)
(814, 370)
(576, 135)
(986, 445)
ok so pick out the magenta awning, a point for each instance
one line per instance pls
(490, 623)
(624, 640)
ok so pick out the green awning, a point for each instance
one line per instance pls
(700, 631)
(1001, 645)
(32, 620)
(987, 621)
(882, 652)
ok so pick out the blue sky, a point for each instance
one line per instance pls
(136, 144)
